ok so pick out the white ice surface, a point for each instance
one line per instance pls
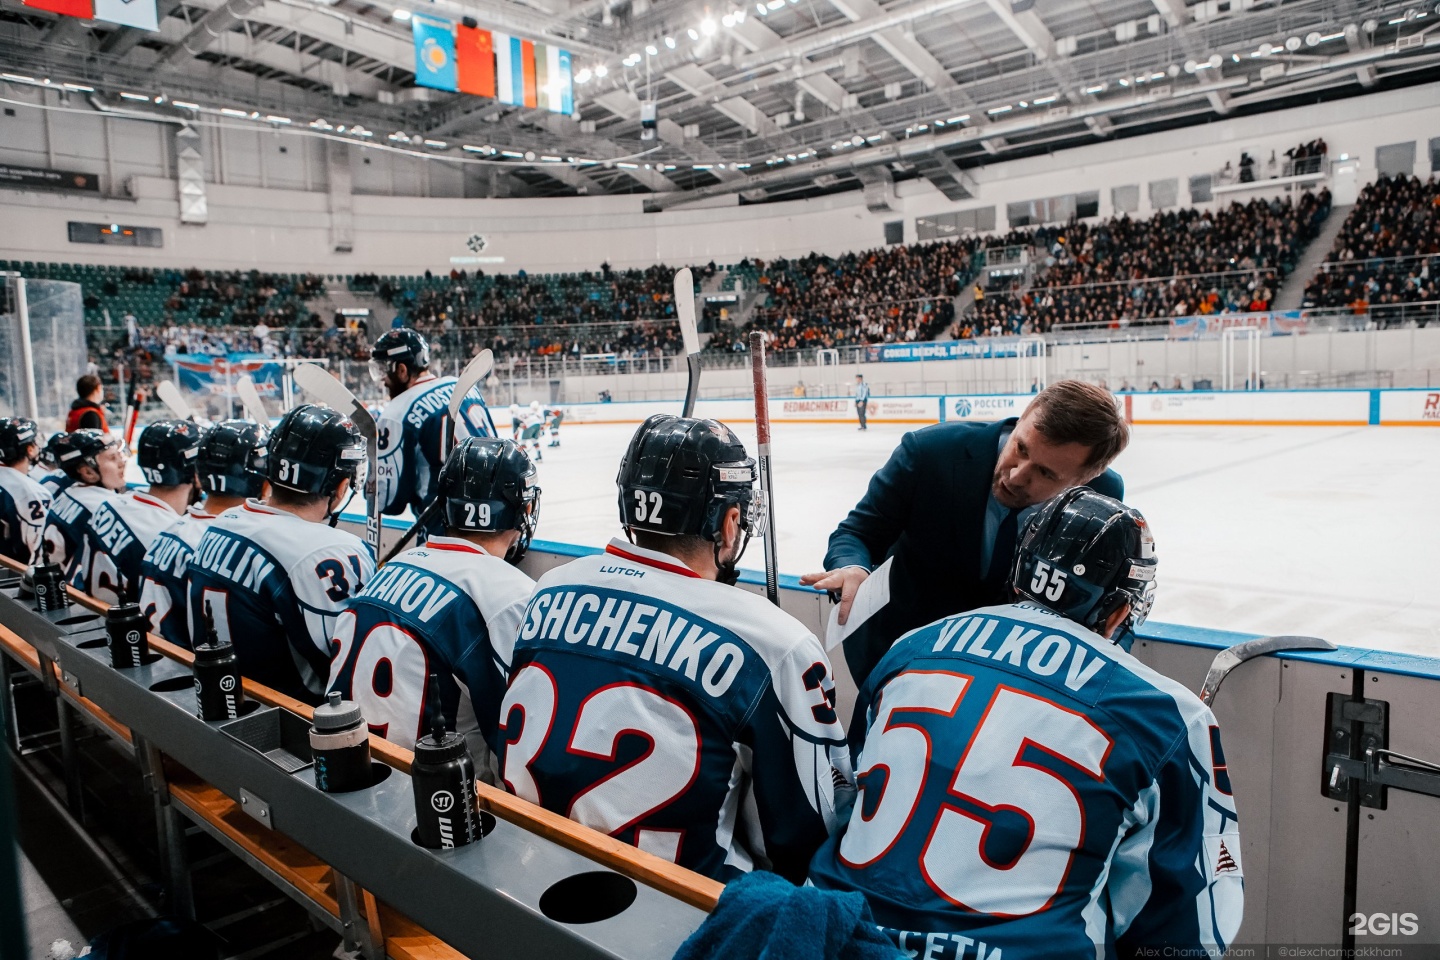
(1320, 531)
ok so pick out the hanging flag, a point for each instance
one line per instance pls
(130, 13)
(567, 82)
(434, 52)
(475, 61)
(509, 78)
(542, 76)
(70, 8)
(527, 67)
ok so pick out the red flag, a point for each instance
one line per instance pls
(84, 9)
(527, 64)
(475, 60)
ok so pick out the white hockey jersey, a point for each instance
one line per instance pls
(162, 575)
(116, 538)
(23, 506)
(67, 522)
(411, 441)
(689, 718)
(274, 585)
(449, 608)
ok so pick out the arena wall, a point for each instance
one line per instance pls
(1290, 408)
(268, 206)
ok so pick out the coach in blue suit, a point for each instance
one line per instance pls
(949, 503)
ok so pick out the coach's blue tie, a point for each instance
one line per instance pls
(1002, 554)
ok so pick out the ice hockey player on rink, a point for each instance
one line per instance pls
(517, 420)
(94, 463)
(272, 575)
(451, 607)
(557, 414)
(652, 700)
(531, 430)
(1026, 785)
(122, 529)
(412, 426)
(231, 468)
(23, 502)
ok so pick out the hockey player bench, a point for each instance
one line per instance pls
(340, 853)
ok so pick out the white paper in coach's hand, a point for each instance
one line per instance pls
(873, 594)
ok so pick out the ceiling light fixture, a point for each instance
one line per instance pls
(401, 14)
(601, 70)
(670, 42)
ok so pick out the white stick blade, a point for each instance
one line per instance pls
(685, 309)
(316, 380)
(250, 400)
(476, 370)
(169, 395)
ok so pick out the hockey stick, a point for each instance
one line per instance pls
(1230, 658)
(690, 334)
(762, 440)
(475, 371)
(250, 400)
(330, 391)
(169, 395)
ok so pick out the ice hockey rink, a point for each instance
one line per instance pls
(1317, 531)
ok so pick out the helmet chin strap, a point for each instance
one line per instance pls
(727, 571)
(332, 515)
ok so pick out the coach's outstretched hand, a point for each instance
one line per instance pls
(844, 582)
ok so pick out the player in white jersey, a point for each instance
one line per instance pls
(23, 502)
(273, 575)
(121, 530)
(94, 463)
(451, 607)
(231, 468)
(531, 429)
(1027, 787)
(413, 424)
(652, 700)
(46, 470)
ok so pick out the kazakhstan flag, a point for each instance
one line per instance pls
(435, 53)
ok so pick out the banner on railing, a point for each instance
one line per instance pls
(217, 375)
(1272, 323)
(941, 350)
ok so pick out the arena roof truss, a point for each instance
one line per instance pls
(764, 98)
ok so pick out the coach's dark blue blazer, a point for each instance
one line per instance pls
(926, 508)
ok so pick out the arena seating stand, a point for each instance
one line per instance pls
(1388, 251)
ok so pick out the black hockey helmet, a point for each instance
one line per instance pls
(312, 449)
(401, 345)
(1084, 555)
(50, 453)
(681, 474)
(167, 450)
(232, 459)
(80, 448)
(487, 485)
(17, 436)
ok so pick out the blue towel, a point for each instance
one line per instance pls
(762, 916)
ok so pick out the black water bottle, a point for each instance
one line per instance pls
(340, 742)
(50, 593)
(126, 627)
(442, 777)
(218, 690)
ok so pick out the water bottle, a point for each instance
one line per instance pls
(50, 593)
(126, 626)
(442, 777)
(341, 744)
(218, 690)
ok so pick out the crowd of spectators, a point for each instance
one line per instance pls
(1388, 251)
(1176, 263)
(886, 295)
